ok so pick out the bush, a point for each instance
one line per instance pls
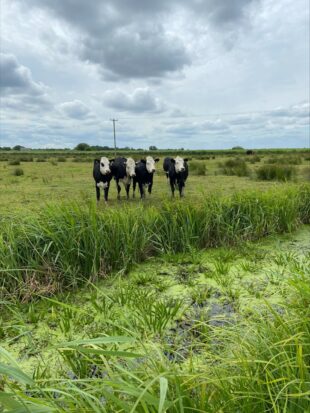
(275, 173)
(14, 162)
(18, 172)
(60, 159)
(197, 168)
(41, 160)
(236, 167)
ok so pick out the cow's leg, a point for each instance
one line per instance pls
(127, 187)
(134, 183)
(118, 187)
(141, 189)
(106, 192)
(150, 186)
(181, 189)
(172, 186)
(97, 193)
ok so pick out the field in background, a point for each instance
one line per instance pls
(49, 176)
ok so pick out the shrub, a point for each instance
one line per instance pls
(236, 167)
(14, 162)
(41, 160)
(18, 172)
(275, 173)
(60, 159)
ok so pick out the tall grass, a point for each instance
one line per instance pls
(68, 245)
(236, 167)
(276, 172)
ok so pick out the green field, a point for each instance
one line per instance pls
(198, 304)
(43, 182)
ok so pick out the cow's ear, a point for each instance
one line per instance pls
(157, 159)
(172, 160)
(111, 160)
(143, 160)
(186, 160)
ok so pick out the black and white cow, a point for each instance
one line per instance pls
(145, 169)
(123, 169)
(102, 175)
(177, 172)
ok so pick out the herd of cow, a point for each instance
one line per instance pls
(126, 170)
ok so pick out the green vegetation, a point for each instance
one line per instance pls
(68, 245)
(18, 172)
(276, 172)
(161, 305)
(236, 166)
(235, 338)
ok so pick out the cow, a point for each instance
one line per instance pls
(145, 169)
(102, 175)
(177, 172)
(123, 169)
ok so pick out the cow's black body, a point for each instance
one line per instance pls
(176, 179)
(143, 177)
(118, 169)
(101, 179)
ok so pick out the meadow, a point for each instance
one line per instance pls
(198, 304)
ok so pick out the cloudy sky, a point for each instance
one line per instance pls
(175, 73)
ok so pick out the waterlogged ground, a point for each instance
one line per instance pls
(168, 305)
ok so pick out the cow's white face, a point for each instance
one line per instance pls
(179, 164)
(150, 164)
(105, 166)
(130, 167)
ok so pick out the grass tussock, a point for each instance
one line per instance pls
(18, 172)
(276, 172)
(198, 168)
(14, 162)
(75, 244)
(236, 167)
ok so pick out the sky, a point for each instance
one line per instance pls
(193, 74)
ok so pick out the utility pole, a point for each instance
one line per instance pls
(114, 120)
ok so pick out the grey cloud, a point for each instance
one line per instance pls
(74, 109)
(17, 79)
(141, 100)
(128, 39)
(20, 93)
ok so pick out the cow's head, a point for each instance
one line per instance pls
(179, 164)
(105, 165)
(130, 167)
(150, 164)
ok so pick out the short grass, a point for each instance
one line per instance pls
(224, 330)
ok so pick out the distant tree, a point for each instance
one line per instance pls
(236, 148)
(18, 147)
(153, 148)
(82, 147)
(5, 148)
